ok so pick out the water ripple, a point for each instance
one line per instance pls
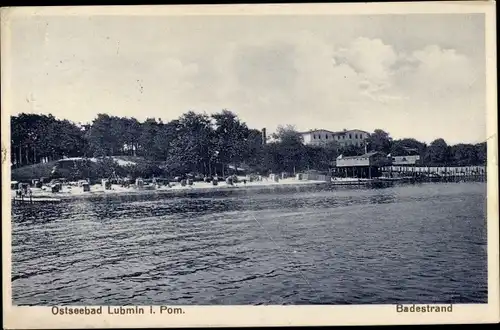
(424, 243)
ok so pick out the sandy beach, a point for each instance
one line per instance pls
(71, 192)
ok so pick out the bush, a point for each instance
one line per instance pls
(88, 169)
(143, 170)
(30, 172)
(106, 167)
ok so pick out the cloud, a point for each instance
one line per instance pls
(307, 80)
(370, 57)
(311, 74)
(435, 72)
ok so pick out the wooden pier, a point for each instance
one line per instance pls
(436, 174)
(366, 183)
(34, 200)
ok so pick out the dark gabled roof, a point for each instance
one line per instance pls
(367, 155)
(398, 155)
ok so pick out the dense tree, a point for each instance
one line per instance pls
(407, 146)
(351, 150)
(379, 140)
(322, 157)
(191, 149)
(28, 132)
(70, 139)
(101, 138)
(291, 150)
(464, 154)
(149, 130)
(230, 138)
(131, 135)
(253, 152)
(38, 137)
(207, 144)
(161, 142)
(272, 159)
(481, 153)
(437, 153)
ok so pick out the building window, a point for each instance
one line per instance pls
(314, 136)
(326, 136)
(350, 136)
(355, 136)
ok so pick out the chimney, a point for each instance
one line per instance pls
(264, 137)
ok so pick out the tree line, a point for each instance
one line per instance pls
(208, 144)
(437, 153)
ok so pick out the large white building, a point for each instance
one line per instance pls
(343, 138)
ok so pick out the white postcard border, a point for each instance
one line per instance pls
(41, 317)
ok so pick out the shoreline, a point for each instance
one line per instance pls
(201, 188)
(177, 190)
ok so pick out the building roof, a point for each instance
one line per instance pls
(367, 155)
(317, 130)
(333, 132)
(406, 156)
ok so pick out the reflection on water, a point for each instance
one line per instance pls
(423, 243)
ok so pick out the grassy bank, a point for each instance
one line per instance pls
(30, 172)
(94, 169)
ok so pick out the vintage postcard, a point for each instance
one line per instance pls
(249, 165)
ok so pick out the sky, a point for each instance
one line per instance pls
(412, 75)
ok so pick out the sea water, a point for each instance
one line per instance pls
(405, 244)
